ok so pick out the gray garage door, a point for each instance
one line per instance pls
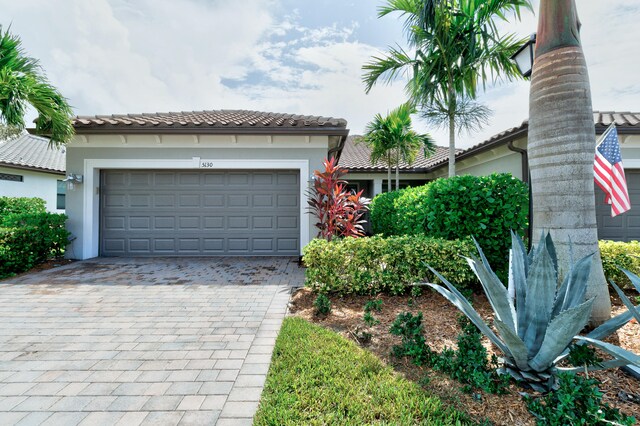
(199, 213)
(625, 227)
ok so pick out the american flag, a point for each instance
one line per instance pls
(609, 173)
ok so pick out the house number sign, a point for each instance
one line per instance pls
(207, 164)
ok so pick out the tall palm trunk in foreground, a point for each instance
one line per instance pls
(561, 146)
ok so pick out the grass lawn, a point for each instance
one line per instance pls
(318, 377)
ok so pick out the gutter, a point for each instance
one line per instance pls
(205, 130)
(31, 168)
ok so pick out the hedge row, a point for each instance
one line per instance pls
(28, 234)
(377, 264)
(620, 254)
(485, 207)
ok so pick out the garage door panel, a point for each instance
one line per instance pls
(199, 213)
(624, 227)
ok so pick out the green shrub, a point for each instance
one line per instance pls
(29, 239)
(485, 207)
(26, 205)
(382, 213)
(414, 345)
(620, 254)
(411, 209)
(322, 305)
(377, 264)
(577, 401)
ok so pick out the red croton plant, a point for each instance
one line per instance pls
(339, 211)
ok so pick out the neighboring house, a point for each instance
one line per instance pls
(196, 183)
(29, 167)
(506, 152)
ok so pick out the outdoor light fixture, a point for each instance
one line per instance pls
(72, 179)
(524, 56)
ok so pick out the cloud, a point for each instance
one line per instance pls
(115, 56)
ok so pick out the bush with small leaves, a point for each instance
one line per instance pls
(373, 305)
(370, 320)
(414, 345)
(322, 304)
(577, 401)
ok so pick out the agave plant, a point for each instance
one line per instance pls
(536, 317)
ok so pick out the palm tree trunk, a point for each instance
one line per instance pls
(388, 172)
(561, 146)
(452, 146)
(397, 170)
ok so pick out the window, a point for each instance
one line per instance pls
(11, 178)
(61, 195)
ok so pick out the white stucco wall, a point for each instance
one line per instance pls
(34, 184)
(88, 154)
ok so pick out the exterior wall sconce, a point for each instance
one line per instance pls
(72, 180)
(524, 56)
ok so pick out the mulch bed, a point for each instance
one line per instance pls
(441, 329)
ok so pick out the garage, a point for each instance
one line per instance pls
(199, 213)
(624, 227)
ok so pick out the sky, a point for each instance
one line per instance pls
(300, 57)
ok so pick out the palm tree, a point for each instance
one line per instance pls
(561, 146)
(456, 44)
(23, 83)
(392, 140)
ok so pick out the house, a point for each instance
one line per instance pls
(224, 182)
(507, 152)
(30, 167)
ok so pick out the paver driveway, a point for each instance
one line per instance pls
(141, 342)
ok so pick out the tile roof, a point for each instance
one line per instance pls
(356, 157)
(215, 119)
(625, 121)
(32, 152)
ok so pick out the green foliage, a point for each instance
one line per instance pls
(416, 291)
(470, 363)
(373, 305)
(318, 377)
(322, 304)
(412, 209)
(414, 345)
(583, 355)
(27, 239)
(376, 264)
(618, 254)
(370, 320)
(23, 84)
(485, 207)
(10, 205)
(383, 216)
(577, 401)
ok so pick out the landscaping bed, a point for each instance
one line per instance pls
(441, 329)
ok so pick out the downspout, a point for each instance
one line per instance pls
(526, 178)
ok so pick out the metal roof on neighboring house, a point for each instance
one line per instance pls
(210, 121)
(32, 152)
(356, 158)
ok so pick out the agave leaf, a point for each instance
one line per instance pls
(560, 333)
(518, 268)
(541, 284)
(496, 292)
(465, 307)
(610, 326)
(551, 248)
(635, 280)
(516, 345)
(574, 286)
(626, 301)
(613, 350)
(612, 363)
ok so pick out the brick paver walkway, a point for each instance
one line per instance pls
(91, 353)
